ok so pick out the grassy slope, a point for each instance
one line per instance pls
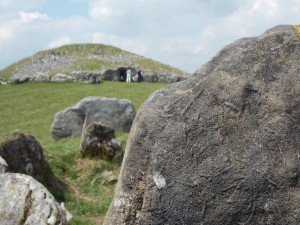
(86, 60)
(31, 107)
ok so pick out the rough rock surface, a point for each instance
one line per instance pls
(24, 154)
(26, 201)
(42, 77)
(222, 147)
(111, 112)
(3, 165)
(150, 76)
(98, 140)
(85, 76)
(61, 78)
(46, 65)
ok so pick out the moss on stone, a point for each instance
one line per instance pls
(279, 39)
(297, 30)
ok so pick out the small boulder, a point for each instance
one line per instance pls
(23, 154)
(99, 141)
(109, 177)
(26, 201)
(111, 112)
(3, 165)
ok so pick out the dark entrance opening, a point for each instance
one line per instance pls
(122, 73)
(116, 75)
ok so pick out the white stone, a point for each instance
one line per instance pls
(159, 180)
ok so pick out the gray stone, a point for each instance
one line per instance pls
(3, 165)
(19, 80)
(117, 114)
(48, 64)
(99, 141)
(221, 147)
(61, 78)
(26, 201)
(150, 76)
(24, 154)
(85, 76)
(42, 77)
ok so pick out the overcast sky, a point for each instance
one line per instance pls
(181, 33)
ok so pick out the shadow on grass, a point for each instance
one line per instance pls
(56, 186)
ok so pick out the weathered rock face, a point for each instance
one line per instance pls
(26, 201)
(61, 78)
(222, 147)
(24, 154)
(150, 76)
(99, 141)
(111, 112)
(42, 77)
(85, 76)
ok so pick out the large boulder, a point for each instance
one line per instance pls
(150, 76)
(26, 201)
(61, 78)
(85, 76)
(221, 147)
(100, 141)
(23, 154)
(42, 77)
(117, 114)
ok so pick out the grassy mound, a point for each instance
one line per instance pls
(78, 57)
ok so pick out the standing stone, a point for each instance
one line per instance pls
(26, 201)
(24, 154)
(222, 147)
(99, 141)
(117, 114)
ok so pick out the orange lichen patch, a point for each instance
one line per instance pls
(297, 30)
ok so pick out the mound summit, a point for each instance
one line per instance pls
(84, 57)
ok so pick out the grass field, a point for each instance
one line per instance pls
(31, 108)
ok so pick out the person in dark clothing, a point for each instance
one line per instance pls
(140, 76)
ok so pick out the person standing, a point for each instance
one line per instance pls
(128, 78)
(140, 76)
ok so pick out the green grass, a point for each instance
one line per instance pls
(31, 108)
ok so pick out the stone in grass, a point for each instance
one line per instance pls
(23, 154)
(26, 201)
(99, 141)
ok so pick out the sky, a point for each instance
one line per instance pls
(181, 33)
